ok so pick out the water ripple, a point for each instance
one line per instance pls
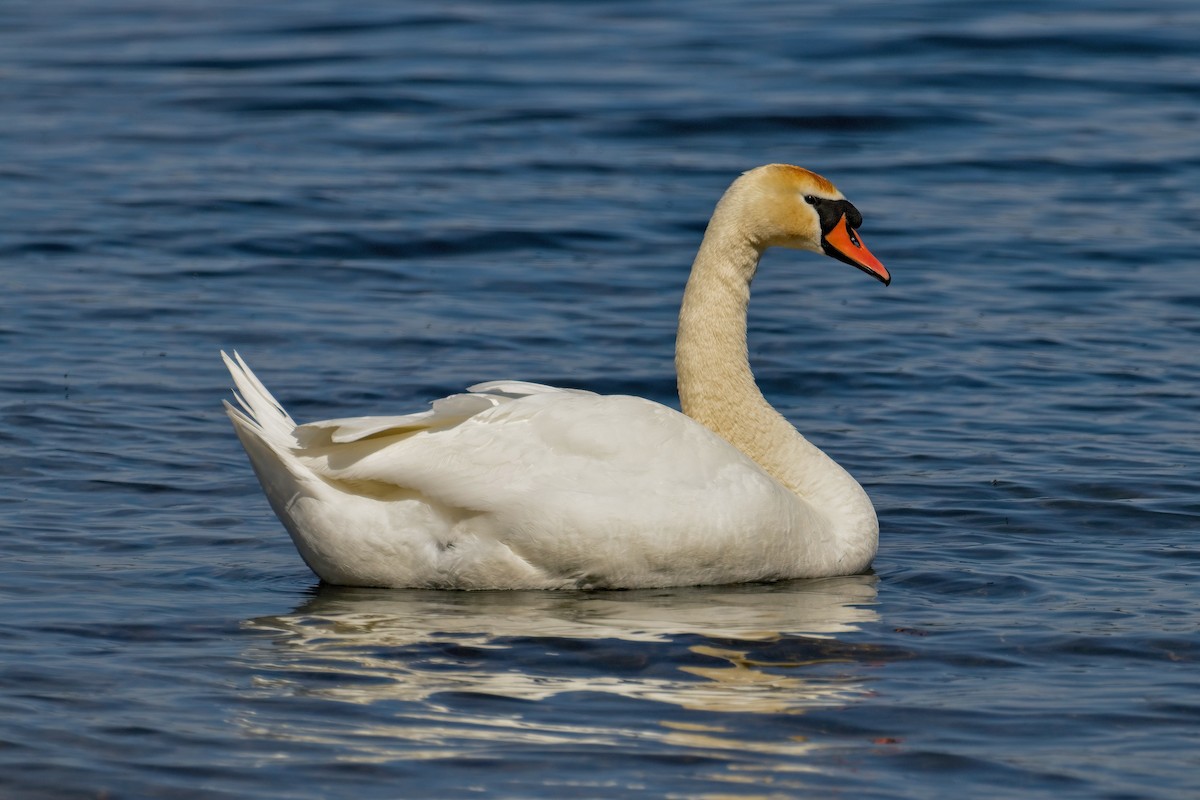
(380, 205)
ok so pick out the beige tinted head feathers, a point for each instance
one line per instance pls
(794, 207)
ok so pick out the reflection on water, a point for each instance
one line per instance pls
(758, 611)
(439, 669)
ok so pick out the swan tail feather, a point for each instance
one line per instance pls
(259, 408)
(268, 435)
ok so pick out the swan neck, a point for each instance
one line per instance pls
(718, 390)
(716, 385)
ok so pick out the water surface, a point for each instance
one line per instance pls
(380, 204)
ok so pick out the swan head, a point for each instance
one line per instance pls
(787, 206)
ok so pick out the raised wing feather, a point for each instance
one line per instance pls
(444, 413)
(514, 389)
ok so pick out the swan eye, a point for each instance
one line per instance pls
(808, 198)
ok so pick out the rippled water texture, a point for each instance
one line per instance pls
(379, 203)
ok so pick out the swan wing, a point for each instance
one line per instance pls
(583, 489)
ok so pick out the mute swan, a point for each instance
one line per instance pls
(522, 486)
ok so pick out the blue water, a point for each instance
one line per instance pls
(380, 203)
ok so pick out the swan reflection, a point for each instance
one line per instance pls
(727, 649)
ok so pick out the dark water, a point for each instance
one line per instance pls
(379, 203)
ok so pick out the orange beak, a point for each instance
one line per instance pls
(843, 244)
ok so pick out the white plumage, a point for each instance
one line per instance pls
(516, 485)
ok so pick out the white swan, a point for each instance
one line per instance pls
(522, 486)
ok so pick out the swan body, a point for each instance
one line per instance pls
(516, 485)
